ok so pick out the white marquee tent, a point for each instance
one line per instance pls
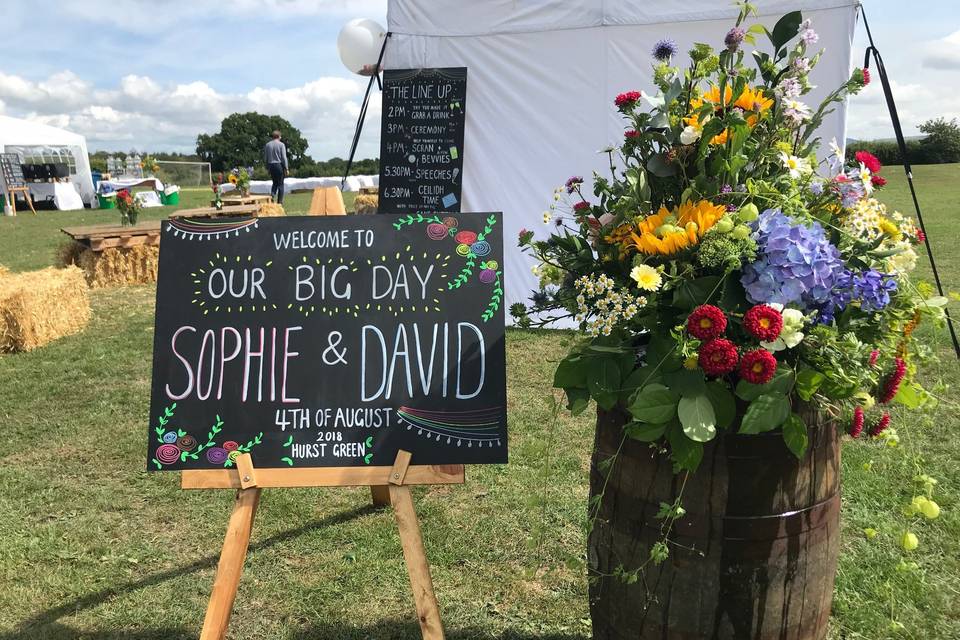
(42, 143)
(543, 74)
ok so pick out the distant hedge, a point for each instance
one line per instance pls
(941, 145)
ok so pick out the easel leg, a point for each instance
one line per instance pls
(413, 553)
(381, 495)
(231, 565)
(11, 196)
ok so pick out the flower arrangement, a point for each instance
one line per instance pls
(240, 177)
(129, 207)
(149, 165)
(729, 275)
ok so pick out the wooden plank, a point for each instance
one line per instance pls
(399, 470)
(245, 470)
(380, 495)
(106, 230)
(213, 212)
(234, 553)
(428, 612)
(322, 477)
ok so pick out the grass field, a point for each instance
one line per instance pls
(95, 548)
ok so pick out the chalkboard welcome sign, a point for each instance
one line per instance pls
(421, 139)
(329, 341)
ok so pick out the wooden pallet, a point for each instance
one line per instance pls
(233, 201)
(213, 212)
(110, 236)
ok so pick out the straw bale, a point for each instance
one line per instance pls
(3, 271)
(37, 307)
(111, 267)
(366, 203)
(271, 210)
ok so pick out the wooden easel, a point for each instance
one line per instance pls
(388, 485)
(13, 199)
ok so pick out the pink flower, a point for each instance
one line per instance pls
(893, 382)
(856, 427)
(881, 425)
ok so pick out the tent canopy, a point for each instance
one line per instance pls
(542, 75)
(16, 133)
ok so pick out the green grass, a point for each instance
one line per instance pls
(93, 547)
(28, 241)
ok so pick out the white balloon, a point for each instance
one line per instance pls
(359, 43)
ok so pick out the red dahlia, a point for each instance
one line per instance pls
(630, 133)
(881, 425)
(580, 206)
(717, 357)
(878, 181)
(758, 366)
(626, 99)
(856, 427)
(706, 322)
(763, 322)
(868, 160)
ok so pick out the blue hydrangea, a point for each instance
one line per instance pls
(873, 289)
(840, 297)
(796, 264)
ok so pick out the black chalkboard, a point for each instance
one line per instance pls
(11, 171)
(329, 341)
(421, 140)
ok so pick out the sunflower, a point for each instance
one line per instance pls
(752, 101)
(658, 235)
(232, 178)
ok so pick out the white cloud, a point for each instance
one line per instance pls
(142, 113)
(943, 54)
(917, 102)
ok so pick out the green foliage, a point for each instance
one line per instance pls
(655, 404)
(766, 413)
(241, 139)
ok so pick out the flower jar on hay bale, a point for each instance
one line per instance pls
(37, 307)
(738, 314)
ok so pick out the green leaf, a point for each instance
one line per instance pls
(658, 166)
(766, 413)
(795, 435)
(907, 396)
(571, 372)
(577, 400)
(781, 382)
(786, 28)
(697, 418)
(603, 380)
(685, 382)
(638, 378)
(645, 432)
(686, 453)
(693, 293)
(662, 354)
(724, 406)
(808, 381)
(655, 404)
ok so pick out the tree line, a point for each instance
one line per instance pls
(239, 143)
(940, 145)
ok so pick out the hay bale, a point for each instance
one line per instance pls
(271, 210)
(37, 307)
(366, 203)
(3, 271)
(111, 267)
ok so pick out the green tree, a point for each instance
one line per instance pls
(241, 139)
(943, 139)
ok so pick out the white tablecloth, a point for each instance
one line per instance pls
(129, 183)
(354, 183)
(64, 195)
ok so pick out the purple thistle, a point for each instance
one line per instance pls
(664, 50)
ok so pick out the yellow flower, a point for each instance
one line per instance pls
(752, 101)
(870, 533)
(232, 179)
(655, 236)
(889, 229)
(691, 362)
(646, 277)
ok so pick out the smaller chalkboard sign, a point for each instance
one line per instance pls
(11, 171)
(421, 140)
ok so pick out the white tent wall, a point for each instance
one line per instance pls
(542, 78)
(15, 132)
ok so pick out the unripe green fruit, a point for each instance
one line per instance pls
(748, 212)
(930, 509)
(724, 225)
(741, 232)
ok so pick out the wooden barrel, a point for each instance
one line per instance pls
(753, 558)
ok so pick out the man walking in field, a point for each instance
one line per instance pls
(275, 155)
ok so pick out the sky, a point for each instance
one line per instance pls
(148, 75)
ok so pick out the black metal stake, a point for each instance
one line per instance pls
(375, 76)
